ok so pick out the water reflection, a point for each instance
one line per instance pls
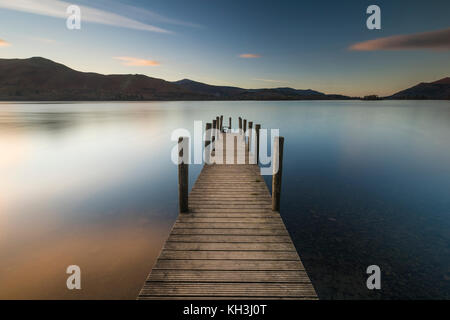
(113, 258)
(92, 184)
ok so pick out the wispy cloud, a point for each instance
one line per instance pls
(249, 55)
(57, 8)
(145, 14)
(3, 43)
(137, 62)
(270, 80)
(435, 40)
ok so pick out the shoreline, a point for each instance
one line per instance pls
(215, 100)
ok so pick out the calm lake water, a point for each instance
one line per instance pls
(92, 184)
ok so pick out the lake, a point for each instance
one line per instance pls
(92, 184)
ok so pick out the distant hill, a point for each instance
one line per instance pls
(437, 90)
(235, 93)
(221, 92)
(40, 79)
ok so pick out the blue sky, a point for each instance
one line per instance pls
(300, 44)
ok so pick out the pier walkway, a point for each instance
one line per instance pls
(230, 244)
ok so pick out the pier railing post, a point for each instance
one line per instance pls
(183, 174)
(208, 134)
(213, 135)
(207, 143)
(277, 172)
(229, 123)
(221, 123)
(257, 128)
(250, 127)
(245, 128)
(240, 125)
(217, 128)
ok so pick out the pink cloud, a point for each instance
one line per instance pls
(437, 40)
(249, 55)
(3, 43)
(136, 62)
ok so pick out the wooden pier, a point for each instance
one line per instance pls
(229, 241)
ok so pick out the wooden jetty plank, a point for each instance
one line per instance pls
(229, 276)
(252, 232)
(233, 210)
(152, 297)
(231, 244)
(231, 219)
(229, 203)
(235, 215)
(229, 289)
(230, 255)
(229, 225)
(221, 246)
(237, 265)
(228, 238)
(231, 196)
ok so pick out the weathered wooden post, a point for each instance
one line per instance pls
(217, 128)
(244, 128)
(183, 174)
(277, 158)
(257, 128)
(224, 149)
(213, 134)
(221, 123)
(207, 142)
(250, 127)
(229, 122)
(208, 134)
(240, 125)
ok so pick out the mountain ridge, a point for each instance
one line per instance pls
(436, 90)
(41, 79)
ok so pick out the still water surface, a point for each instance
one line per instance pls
(92, 184)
